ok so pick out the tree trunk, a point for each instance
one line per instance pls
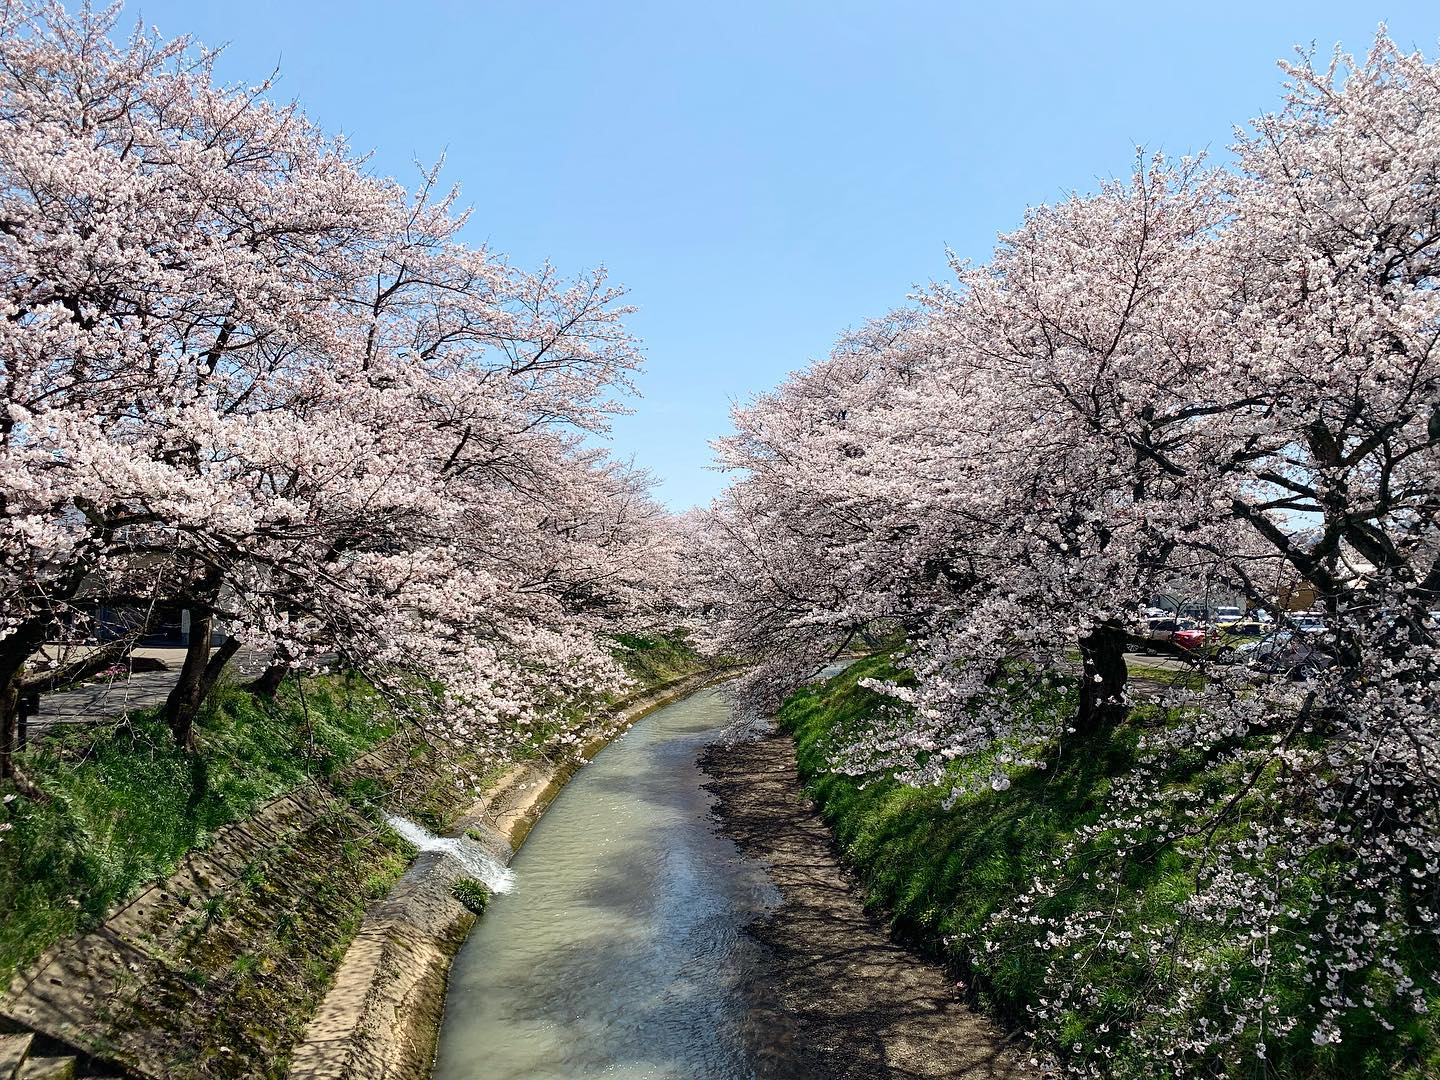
(269, 680)
(1102, 680)
(198, 676)
(15, 652)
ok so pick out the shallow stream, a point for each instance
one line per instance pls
(620, 951)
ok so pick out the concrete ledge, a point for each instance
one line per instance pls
(382, 1014)
(381, 1018)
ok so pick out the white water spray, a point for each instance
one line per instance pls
(478, 863)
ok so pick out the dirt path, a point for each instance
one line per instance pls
(863, 1006)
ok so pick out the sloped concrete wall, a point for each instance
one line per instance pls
(215, 971)
(382, 1016)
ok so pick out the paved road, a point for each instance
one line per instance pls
(116, 696)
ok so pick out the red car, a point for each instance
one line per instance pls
(1190, 639)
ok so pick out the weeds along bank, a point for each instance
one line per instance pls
(982, 882)
(183, 914)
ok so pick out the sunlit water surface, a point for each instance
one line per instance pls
(620, 952)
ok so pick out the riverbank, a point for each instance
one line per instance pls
(951, 876)
(863, 1006)
(170, 914)
(213, 969)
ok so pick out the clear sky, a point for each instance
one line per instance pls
(763, 174)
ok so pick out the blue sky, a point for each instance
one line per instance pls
(762, 175)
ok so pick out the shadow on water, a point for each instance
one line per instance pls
(622, 951)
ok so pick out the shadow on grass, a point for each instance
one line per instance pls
(940, 874)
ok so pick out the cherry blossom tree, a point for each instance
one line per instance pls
(801, 555)
(1199, 378)
(245, 376)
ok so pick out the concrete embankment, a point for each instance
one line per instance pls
(212, 971)
(218, 970)
(382, 1015)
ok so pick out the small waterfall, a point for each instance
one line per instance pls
(478, 863)
(492, 841)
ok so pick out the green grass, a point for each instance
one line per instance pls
(472, 894)
(1181, 677)
(941, 874)
(660, 658)
(125, 804)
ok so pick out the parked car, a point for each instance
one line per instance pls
(1221, 641)
(1162, 631)
(1262, 645)
(1225, 642)
(1227, 615)
(1293, 653)
(1191, 639)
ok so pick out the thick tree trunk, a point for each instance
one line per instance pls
(198, 675)
(15, 652)
(269, 680)
(1102, 680)
(9, 729)
(9, 726)
(9, 733)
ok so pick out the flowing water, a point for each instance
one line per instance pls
(477, 861)
(620, 951)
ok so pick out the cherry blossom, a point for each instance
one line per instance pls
(245, 375)
(1199, 381)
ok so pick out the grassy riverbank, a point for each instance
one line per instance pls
(266, 847)
(943, 873)
(124, 804)
(658, 658)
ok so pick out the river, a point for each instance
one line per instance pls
(621, 950)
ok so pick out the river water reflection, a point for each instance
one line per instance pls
(621, 951)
